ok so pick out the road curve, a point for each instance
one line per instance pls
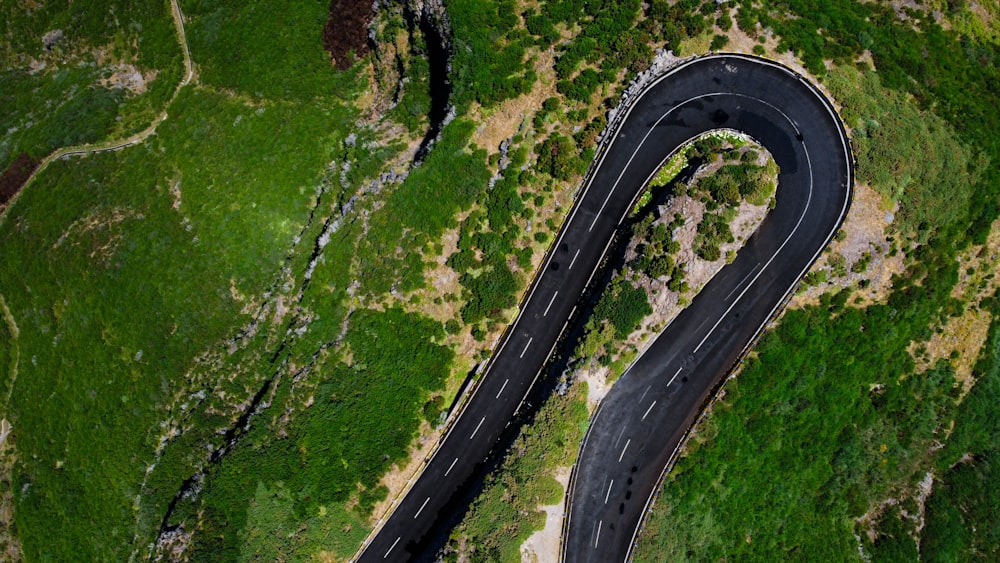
(723, 91)
(635, 433)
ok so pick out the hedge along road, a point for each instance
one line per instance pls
(637, 428)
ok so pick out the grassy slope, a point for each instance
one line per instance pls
(117, 285)
(65, 103)
(248, 150)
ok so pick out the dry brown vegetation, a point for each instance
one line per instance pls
(14, 177)
(345, 35)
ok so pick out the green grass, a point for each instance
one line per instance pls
(909, 155)
(827, 420)
(119, 269)
(263, 51)
(951, 75)
(65, 103)
(803, 442)
(131, 311)
(116, 293)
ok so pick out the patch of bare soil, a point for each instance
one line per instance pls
(959, 341)
(977, 277)
(864, 236)
(128, 77)
(544, 544)
(868, 521)
(10, 545)
(502, 123)
(398, 479)
(961, 338)
(98, 230)
(345, 35)
(14, 177)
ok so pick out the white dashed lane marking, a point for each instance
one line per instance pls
(674, 377)
(428, 499)
(391, 547)
(502, 387)
(477, 428)
(551, 301)
(623, 450)
(573, 261)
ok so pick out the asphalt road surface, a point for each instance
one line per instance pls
(631, 438)
(639, 425)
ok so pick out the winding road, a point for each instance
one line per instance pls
(635, 433)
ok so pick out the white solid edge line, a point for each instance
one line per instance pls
(450, 467)
(393, 546)
(621, 119)
(426, 500)
(805, 209)
(843, 212)
(502, 387)
(477, 428)
(636, 151)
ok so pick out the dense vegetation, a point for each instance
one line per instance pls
(837, 385)
(129, 274)
(332, 450)
(952, 74)
(65, 96)
(506, 512)
(253, 258)
(962, 522)
(488, 53)
(828, 419)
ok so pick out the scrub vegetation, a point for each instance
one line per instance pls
(77, 72)
(514, 492)
(624, 304)
(217, 343)
(506, 512)
(829, 439)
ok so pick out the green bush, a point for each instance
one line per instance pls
(488, 61)
(623, 305)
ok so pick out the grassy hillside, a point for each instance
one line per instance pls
(77, 72)
(227, 341)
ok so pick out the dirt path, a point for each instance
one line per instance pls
(128, 141)
(8, 318)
